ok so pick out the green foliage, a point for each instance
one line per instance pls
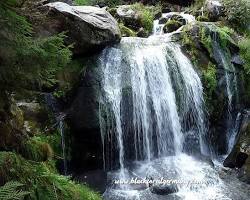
(11, 191)
(210, 79)
(202, 18)
(146, 15)
(126, 32)
(41, 180)
(244, 45)
(83, 2)
(172, 25)
(110, 3)
(24, 58)
(36, 150)
(225, 34)
(206, 39)
(68, 77)
(237, 13)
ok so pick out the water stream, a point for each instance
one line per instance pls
(153, 124)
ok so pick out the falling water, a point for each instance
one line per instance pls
(152, 119)
(60, 119)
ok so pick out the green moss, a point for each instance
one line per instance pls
(210, 79)
(202, 18)
(36, 150)
(172, 25)
(244, 45)
(237, 13)
(206, 39)
(68, 77)
(225, 36)
(41, 179)
(83, 2)
(126, 32)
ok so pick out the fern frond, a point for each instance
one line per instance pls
(10, 191)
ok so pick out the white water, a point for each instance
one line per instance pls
(152, 101)
(231, 90)
(60, 119)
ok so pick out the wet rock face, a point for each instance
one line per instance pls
(240, 154)
(164, 189)
(83, 118)
(88, 28)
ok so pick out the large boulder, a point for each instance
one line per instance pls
(88, 28)
(240, 154)
(164, 189)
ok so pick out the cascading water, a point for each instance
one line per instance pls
(153, 123)
(60, 122)
(59, 117)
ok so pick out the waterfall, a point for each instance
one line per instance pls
(60, 120)
(231, 88)
(152, 119)
(166, 96)
(53, 105)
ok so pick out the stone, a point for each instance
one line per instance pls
(88, 28)
(214, 8)
(239, 156)
(171, 25)
(129, 17)
(164, 189)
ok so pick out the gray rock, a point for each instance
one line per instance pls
(164, 189)
(214, 8)
(88, 28)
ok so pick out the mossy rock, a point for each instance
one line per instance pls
(41, 179)
(202, 18)
(171, 25)
(36, 150)
(126, 32)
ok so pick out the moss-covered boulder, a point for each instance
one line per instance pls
(211, 48)
(171, 25)
(135, 17)
(126, 32)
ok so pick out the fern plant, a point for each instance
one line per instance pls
(11, 191)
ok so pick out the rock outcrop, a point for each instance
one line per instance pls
(240, 154)
(88, 28)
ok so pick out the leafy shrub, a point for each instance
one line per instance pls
(25, 58)
(36, 150)
(237, 13)
(210, 78)
(146, 15)
(42, 180)
(110, 3)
